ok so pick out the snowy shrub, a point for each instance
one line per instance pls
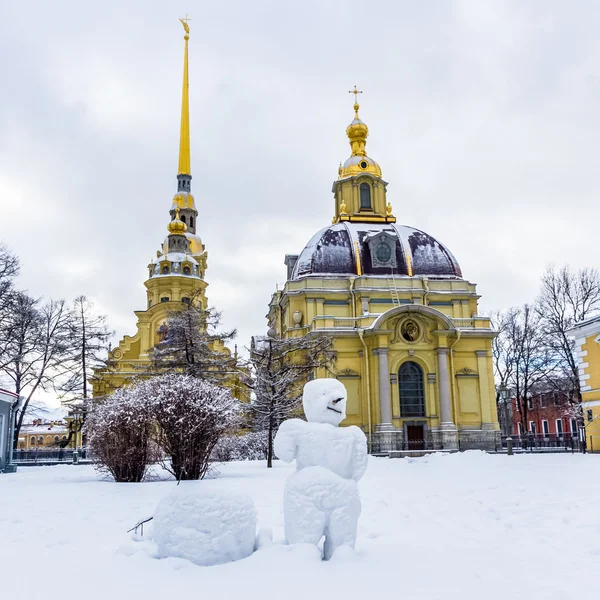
(251, 446)
(191, 415)
(120, 430)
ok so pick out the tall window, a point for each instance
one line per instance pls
(559, 427)
(546, 428)
(412, 395)
(182, 218)
(574, 426)
(191, 221)
(532, 427)
(365, 195)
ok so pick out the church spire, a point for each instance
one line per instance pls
(358, 163)
(184, 172)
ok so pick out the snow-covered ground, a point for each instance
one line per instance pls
(461, 526)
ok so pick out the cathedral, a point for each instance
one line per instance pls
(175, 277)
(410, 347)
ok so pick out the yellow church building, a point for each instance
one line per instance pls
(587, 348)
(176, 276)
(410, 346)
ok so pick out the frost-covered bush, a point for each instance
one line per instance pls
(191, 415)
(120, 429)
(251, 446)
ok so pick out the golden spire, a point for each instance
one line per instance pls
(358, 163)
(184, 136)
(357, 131)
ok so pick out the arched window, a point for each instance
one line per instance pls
(182, 218)
(56, 438)
(32, 441)
(165, 270)
(191, 221)
(186, 270)
(64, 438)
(40, 441)
(412, 394)
(365, 195)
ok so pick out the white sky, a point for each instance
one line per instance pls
(483, 115)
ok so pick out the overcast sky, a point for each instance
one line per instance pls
(482, 114)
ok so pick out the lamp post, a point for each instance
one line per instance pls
(76, 427)
(506, 413)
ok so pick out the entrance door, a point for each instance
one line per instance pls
(414, 437)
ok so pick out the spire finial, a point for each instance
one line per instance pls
(356, 91)
(184, 136)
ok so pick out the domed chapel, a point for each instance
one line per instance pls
(411, 349)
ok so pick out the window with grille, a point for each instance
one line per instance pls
(412, 394)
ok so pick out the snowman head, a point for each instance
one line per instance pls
(324, 401)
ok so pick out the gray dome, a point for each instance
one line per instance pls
(333, 251)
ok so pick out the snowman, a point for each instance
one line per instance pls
(321, 497)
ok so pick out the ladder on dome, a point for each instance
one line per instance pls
(393, 289)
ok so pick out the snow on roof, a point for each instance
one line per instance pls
(332, 251)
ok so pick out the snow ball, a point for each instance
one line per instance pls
(205, 526)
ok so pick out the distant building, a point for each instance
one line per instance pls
(43, 433)
(550, 416)
(587, 346)
(8, 402)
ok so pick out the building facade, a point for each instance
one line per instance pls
(410, 346)
(8, 404)
(550, 416)
(587, 347)
(176, 277)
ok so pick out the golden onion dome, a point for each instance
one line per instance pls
(177, 227)
(359, 163)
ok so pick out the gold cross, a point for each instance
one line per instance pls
(186, 18)
(355, 92)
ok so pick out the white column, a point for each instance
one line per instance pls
(445, 395)
(385, 397)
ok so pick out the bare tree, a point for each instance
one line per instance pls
(9, 269)
(89, 336)
(281, 368)
(531, 360)
(566, 297)
(504, 362)
(37, 348)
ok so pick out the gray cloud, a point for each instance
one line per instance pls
(483, 116)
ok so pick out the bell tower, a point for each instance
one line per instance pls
(360, 191)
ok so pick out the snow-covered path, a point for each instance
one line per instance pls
(447, 526)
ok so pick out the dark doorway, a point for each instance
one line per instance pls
(415, 439)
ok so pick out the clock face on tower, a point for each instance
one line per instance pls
(383, 252)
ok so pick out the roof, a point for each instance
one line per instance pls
(337, 250)
(587, 327)
(7, 396)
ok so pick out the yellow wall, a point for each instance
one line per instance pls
(587, 346)
(469, 363)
